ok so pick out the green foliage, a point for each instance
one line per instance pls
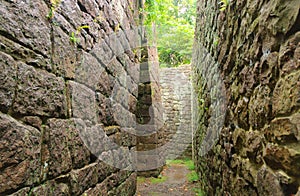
(199, 191)
(187, 162)
(224, 4)
(73, 35)
(73, 38)
(193, 176)
(54, 5)
(174, 20)
(158, 180)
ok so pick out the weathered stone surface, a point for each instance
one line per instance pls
(39, 93)
(83, 178)
(286, 158)
(253, 47)
(19, 21)
(91, 73)
(61, 83)
(8, 81)
(52, 187)
(65, 56)
(283, 130)
(20, 152)
(83, 101)
(126, 188)
(63, 139)
(19, 52)
(104, 110)
(176, 109)
(289, 55)
(107, 185)
(259, 106)
(123, 138)
(267, 182)
(286, 95)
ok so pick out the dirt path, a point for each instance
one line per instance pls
(176, 183)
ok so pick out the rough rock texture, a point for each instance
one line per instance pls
(176, 99)
(69, 76)
(255, 48)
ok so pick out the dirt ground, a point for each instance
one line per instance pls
(176, 183)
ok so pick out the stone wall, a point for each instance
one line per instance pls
(69, 75)
(176, 102)
(149, 115)
(246, 64)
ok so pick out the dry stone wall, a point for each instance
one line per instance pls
(251, 53)
(69, 75)
(176, 102)
(149, 116)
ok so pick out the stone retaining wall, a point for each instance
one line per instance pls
(69, 74)
(176, 102)
(246, 64)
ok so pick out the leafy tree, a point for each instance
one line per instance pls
(174, 20)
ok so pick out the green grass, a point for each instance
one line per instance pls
(158, 180)
(141, 179)
(193, 176)
(187, 162)
(198, 191)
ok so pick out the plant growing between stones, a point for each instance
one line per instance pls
(53, 8)
(224, 4)
(73, 35)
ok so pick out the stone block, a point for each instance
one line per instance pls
(104, 110)
(27, 55)
(51, 187)
(286, 157)
(20, 154)
(39, 93)
(286, 94)
(83, 178)
(123, 138)
(8, 81)
(65, 55)
(282, 130)
(70, 132)
(102, 52)
(128, 187)
(83, 101)
(91, 73)
(267, 182)
(27, 25)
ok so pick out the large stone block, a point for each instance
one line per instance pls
(8, 81)
(283, 130)
(259, 107)
(126, 188)
(39, 93)
(63, 148)
(83, 178)
(286, 158)
(65, 55)
(20, 154)
(52, 187)
(267, 182)
(91, 73)
(286, 95)
(83, 102)
(27, 24)
(22, 53)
